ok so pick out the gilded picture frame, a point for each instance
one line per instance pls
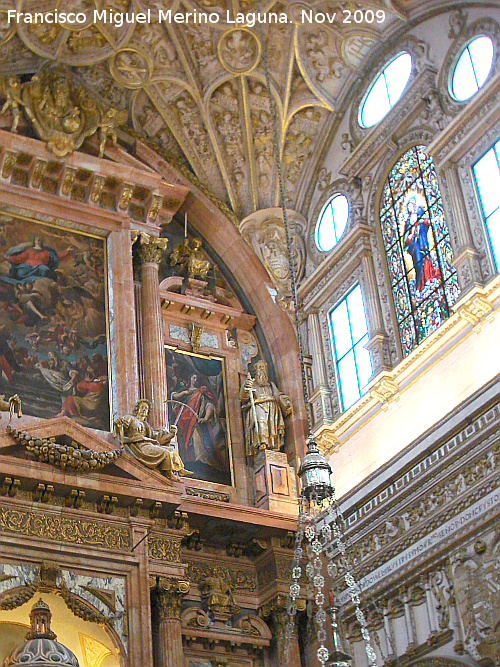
(198, 406)
(54, 320)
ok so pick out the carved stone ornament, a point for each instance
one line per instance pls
(218, 590)
(239, 50)
(149, 446)
(62, 112)
(150, 247)
(265, 232)
(170, 594)
(72, 456)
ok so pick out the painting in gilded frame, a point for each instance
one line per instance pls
(53, 320)
(198, 406)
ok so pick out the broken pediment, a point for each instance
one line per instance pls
(32, 455)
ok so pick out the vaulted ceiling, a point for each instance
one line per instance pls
(197, 91)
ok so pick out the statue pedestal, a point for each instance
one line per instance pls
(274, 488)
(195, 287)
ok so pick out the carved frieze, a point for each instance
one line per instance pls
(64, 529)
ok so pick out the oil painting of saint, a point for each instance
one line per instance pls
(53, 330)
(197, 406)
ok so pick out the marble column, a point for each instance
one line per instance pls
(320, 398)
(467, 259)
(170, 592)
(378, 345)
(155, 375)
(280, 618)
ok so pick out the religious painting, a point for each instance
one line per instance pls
(418, 248)
(197, 405)
(53, 321)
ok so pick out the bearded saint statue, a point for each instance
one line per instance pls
(264, 409)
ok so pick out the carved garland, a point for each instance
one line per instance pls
(65, 456)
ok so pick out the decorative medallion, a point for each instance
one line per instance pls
(239, 51)
(130, 68)
(75, 43)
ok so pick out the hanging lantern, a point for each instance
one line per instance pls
(315, 474)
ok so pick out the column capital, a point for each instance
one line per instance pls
(150, 247)
(170, 594)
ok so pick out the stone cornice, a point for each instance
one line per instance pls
(139, 194)
(475, 119)
(368, 151)
(313, 290)
(469, 312)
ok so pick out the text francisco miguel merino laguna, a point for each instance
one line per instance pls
(120, 18)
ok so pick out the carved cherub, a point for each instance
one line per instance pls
(110, 120)
(11, 88)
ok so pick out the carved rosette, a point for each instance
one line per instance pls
(169, 596)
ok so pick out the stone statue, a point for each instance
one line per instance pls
(219, 592)
(11, 88)
(150, 447)
(62, 112)
(110, 120)
(12, 405)
(190, 257)
(264, 408)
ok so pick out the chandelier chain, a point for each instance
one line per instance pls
(281, 181)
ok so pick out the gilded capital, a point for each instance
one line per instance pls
(170, 594)
(150, 247)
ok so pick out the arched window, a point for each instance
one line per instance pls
(349, 335)
(472, 68)
(487, 173)
(386, 90)
(417, 244)
(332, 222)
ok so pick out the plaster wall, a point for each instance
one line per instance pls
(459, 372)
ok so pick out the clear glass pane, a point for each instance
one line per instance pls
(348, 380)
(363, 362)
(357, 314)
(493, 223)
(397, 75)
(376, 105)
(325, 239)
(341, 330)
(464, 82)
(340, 208)
(488, 181)
(481, 53)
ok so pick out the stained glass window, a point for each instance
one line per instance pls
(349, 333)
(417, 244)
